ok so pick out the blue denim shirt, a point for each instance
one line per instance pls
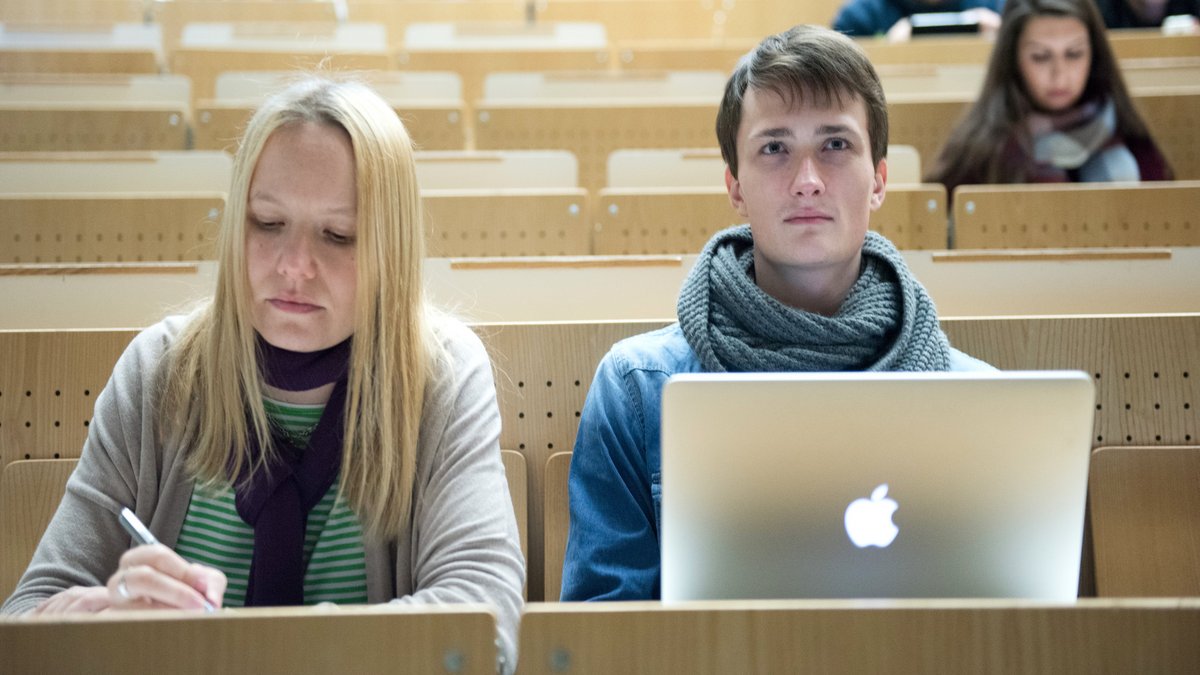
(615, 483)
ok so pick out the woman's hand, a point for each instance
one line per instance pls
(148, 577)
(75, 599)
(155, 577)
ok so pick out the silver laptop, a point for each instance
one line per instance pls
(874, 485)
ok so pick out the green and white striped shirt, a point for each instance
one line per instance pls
(214, 534)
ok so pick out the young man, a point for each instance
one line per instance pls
(803, 287)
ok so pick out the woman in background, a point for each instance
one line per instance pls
(1054, 107)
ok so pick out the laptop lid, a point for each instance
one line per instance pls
(862, 485)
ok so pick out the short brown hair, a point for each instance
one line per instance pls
(805, 61)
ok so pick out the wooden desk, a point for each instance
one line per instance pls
(934, 636)
(370, 639)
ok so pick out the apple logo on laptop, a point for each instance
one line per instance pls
(869, 521)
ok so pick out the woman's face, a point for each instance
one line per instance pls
(1054, 55)
(301, 224)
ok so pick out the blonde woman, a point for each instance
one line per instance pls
(316, 432)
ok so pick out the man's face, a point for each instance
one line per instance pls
(807, 186)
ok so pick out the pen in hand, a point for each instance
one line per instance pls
(141, 534)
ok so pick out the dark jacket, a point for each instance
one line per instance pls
(864, 18)
(1117, 13)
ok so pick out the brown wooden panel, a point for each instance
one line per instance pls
(925, 122)
(913, 217)
(294, 640)
(1132, 636)
(928, 49)
(1145, 513)
(29, 495)
(1146, 368)
(131, 61)
(32, 127)
(1173, 116)
(1077, 215)
(1151, 43)
(557, 521)
(646, 221)
(434, 127)
(518, 222)
(72, 12)
(518, 489)
(659, 54)
(636, 19)
(49, 381)
(108, 228)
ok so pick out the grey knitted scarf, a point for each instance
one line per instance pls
(887, 321)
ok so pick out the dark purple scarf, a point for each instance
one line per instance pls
(276, 502)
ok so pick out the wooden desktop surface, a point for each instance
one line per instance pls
(365, 639)
(858, 636)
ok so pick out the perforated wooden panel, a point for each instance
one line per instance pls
(647, 221)
(594, 131)
(218, 127)
(435, 127)
(1077, 215)
(913, 217)
(633, 221)
(31, 127)
(543, 372)
(1145, 510)
(1173, 116)
(462, 223)
(49, 381)
(75, 61)
(1146, 367)
(116, 228)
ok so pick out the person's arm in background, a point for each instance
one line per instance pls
(866, 18)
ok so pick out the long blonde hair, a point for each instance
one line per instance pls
(213, 397)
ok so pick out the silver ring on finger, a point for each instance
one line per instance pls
(122, 589)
